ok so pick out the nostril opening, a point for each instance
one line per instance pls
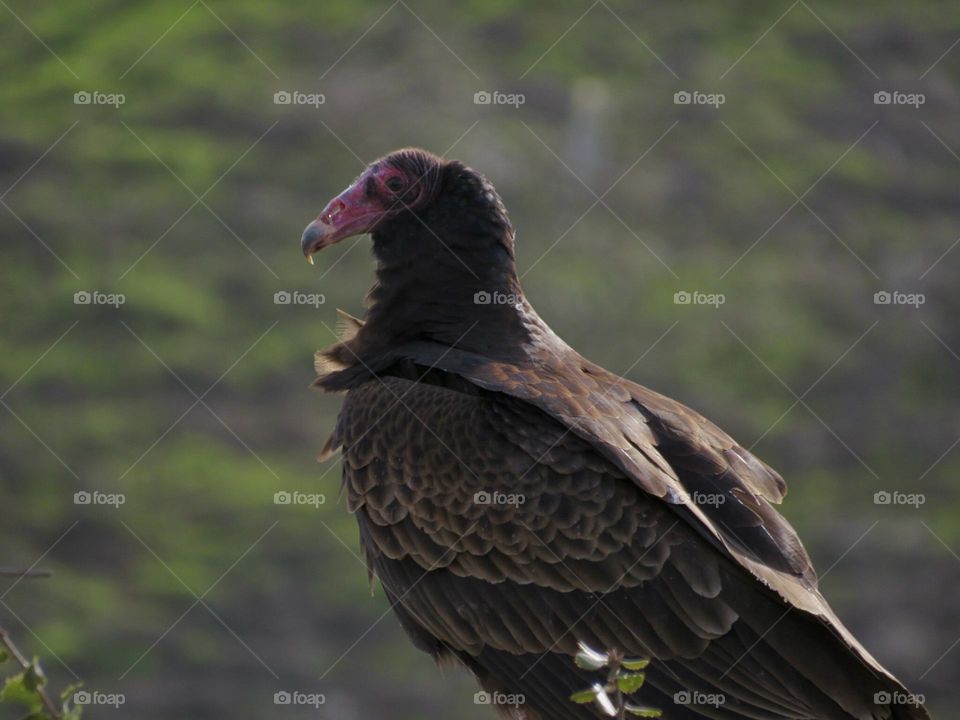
(335, 209)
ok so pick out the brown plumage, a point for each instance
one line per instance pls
(515, 499)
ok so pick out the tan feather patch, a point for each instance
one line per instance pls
(330, 448)
(347, 325)
(324, 363)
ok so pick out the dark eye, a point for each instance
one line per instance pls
(395, 184)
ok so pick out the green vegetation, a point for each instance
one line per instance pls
(28, 687)
(624, 677)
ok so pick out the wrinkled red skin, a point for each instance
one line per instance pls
(356, 210)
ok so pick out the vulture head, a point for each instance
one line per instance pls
(443, 245)
(415, 204)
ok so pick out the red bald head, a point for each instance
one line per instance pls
(399, 182)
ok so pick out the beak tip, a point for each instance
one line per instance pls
(310, 242)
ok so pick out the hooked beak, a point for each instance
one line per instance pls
(350, 213)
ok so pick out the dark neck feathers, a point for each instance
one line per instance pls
(446, 272)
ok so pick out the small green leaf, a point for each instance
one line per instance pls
(640, 711)
(4, 655)
(584, 696)
(15, 691)
(635, 663)
(630, 682)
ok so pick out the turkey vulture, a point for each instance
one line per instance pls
(514, 499)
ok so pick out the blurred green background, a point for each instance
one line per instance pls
(797, 199)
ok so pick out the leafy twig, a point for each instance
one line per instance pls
(624, 677)
(33, 675)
